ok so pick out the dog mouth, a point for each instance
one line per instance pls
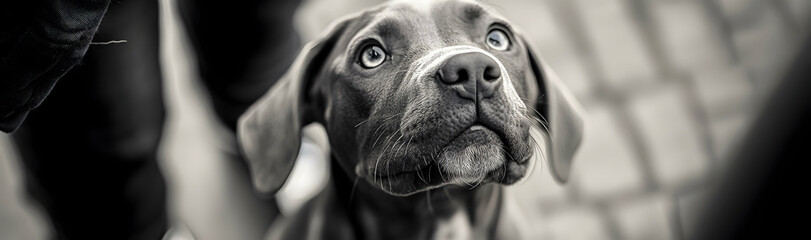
(477, 155)
(472, 153)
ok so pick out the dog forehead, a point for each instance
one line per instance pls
(430, 22)
(437, 9)
(428, 6)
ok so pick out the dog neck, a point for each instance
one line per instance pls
(449, 212)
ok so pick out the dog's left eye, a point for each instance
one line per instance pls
(372, 56)
(498, 40)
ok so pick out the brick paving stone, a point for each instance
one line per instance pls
(727, 132)
(605, 164)
(539, 188)
(765, 47)
(670, 134)
(617, 43)
(688, 35)
(690, 208)
(583, 223)
(313, 16)
(19, 218)
(735, 9)
(532, 19)
(537, 23)
(572, 73)
(723, 90)
(644, 218)
(307, 178)
(801, 12)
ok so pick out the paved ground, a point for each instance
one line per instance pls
(668, 85)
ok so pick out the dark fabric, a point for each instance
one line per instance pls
(39, 42)
(90, 150)
(761, 195)
(239, 64)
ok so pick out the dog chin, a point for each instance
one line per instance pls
(472, 155)
(476, 156)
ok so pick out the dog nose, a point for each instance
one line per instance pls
(472, 75)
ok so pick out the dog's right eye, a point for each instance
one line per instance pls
(372, 56)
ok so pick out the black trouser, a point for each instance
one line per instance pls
(89, 151)
(242, 48)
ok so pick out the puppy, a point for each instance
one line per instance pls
(428, 107)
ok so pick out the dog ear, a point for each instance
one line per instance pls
(560, 113)
(269, 132)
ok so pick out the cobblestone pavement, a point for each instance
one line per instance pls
(668, 85)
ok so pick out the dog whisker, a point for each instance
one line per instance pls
(477, 182)
(384, 123)
(383, 153)
(505, 168)
(378, 136)
(388, 159)
(354, 186)
(537, 151)
(387, 172)
(377, 162)
(544, 123)
(375, 118)
(388, 139)
(421, 178)
(374, 174)
(502, 150)
(409, 142)
(541, 119)
(362, 122)
(401, 146)
(430, 167)
(473, 184)
(391, 156)
(433, 158)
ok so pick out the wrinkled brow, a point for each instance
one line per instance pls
(472, 11)
(389, 27)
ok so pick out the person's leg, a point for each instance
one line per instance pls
(242, 49)
(90, 150)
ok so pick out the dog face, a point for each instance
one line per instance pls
(414, 97)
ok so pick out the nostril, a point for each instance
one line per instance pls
(491, 73)
(468, 68)
(451, 76)
(440, 76)
(461, 75)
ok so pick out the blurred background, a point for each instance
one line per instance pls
(669, 86)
